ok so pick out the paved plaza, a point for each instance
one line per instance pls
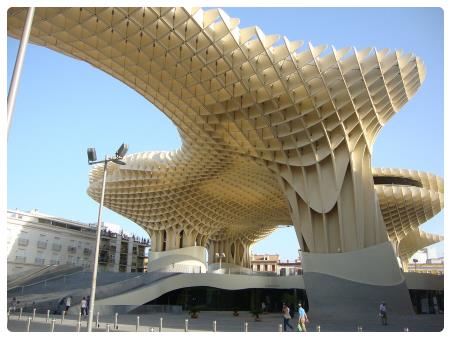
(225, 322)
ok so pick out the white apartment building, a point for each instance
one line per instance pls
(35, 239)
(271, 263)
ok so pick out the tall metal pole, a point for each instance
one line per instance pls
(18, 66)
(97, 250)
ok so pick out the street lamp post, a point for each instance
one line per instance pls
(220, 256)
(92, 159)
(415, 264)
(18, 67)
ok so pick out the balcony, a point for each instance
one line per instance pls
(40, 261)
(72, 249)
(23, 242)
(54, 262)
(87, 251)
(21, 259)
(56, 247)
(103, 258)
(42, 245)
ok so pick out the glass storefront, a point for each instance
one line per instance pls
(213, 299)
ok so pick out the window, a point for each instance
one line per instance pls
(40, 261)
(21, 259)
(55, 259)
(56, 247)
(42, 244)
(70, 259)
(23, 242)
(42, 235)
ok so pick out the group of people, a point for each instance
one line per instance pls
(84, 304)
(302, 318)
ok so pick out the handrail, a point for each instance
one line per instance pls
(43, 281)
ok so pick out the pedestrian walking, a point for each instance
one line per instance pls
(286, 317)
(383, 313)
(68, 303)
(13, 304)
(83, 307)
(88, 303)
(302, 318)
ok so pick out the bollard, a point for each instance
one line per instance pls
(29, 324)
(359, 328)
(318, 328)
(48, 316)
(137, 323)
(151, 329)
(406, 329)
(52, 328)
(186, 325)
(214, 326)
(34, 313)
(79, 316)
(280, 328)
(63, 316)
(246, 327)
(79, 326)
(96, 319)
(160, 324)
(116, 322)
(107, 327)
(20, 313)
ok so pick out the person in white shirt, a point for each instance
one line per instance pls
(286, 317)
(68, 302)
(84, 306)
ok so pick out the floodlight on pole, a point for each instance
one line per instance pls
(92, 159)
(92, 155)
(220, 256)
(120, 153)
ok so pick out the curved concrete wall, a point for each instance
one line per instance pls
(229, 282)
(375, 265)
(192, 256)
(355, 283)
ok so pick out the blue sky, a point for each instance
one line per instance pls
(65, 106)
